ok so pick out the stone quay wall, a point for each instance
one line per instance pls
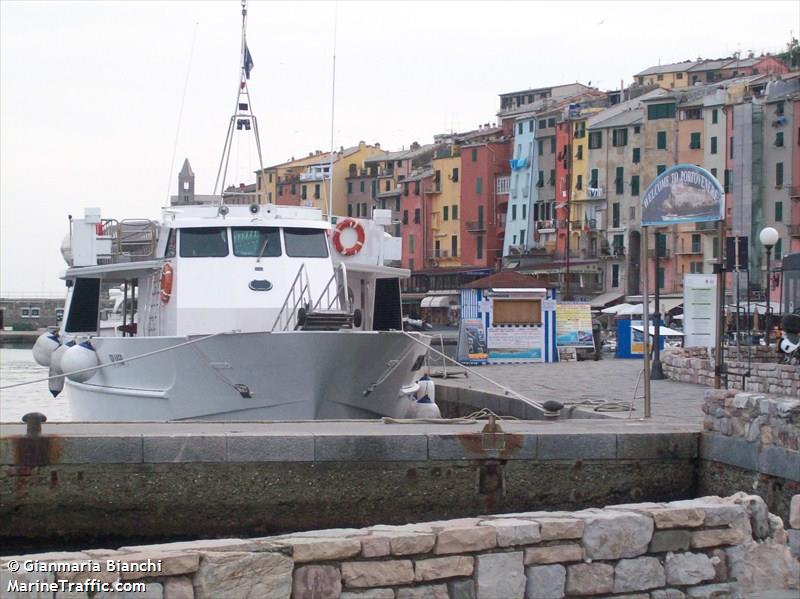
(696, 365)
(750, 442)
(700, 548)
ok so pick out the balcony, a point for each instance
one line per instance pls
(665, 253)
(391, 192)
(794, 230)
(476, 226)
(546, 226)
(589, 224)
(690, 251)
(435, 188)
(794, 192)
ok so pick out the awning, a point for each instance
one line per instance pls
(757, 307)
(663, 331)
(601, 301)
(665, 306)
(438, 301)
(615, 309)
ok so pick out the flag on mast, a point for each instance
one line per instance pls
(248, 62)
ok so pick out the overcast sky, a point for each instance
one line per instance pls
(91, 92)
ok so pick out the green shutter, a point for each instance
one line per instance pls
(637, 154)
(661, 140)
(778, 212)
(635, 185)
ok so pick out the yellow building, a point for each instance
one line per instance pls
(583, 206)
(668, 76)
(445, 199)
(308, 178)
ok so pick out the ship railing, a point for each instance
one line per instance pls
(335, 295)
(128, 240)
(299, 296)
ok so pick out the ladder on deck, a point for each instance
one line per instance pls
(332, 311)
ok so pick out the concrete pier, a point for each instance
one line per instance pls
(100, 482)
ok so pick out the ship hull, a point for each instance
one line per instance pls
(299, 375)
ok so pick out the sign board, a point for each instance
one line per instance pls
(684, 193)
(699, 310)
(515, 343)
(574, 325)
(472, 341)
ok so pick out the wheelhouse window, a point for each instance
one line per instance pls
(305, 243)
(204, 242)
(256, 241)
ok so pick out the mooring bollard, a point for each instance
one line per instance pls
(34, 421)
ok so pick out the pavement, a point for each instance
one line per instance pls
(606, 386)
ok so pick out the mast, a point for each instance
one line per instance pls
(243, 117)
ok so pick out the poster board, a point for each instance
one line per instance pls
(472, 348)
(684, 193)
(699, 310)
(515, 343)
(574, 325)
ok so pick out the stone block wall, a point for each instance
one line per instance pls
(701, 548)
(696, 365)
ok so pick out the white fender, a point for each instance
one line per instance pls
(79, 357)
(44, 347)
(426, 388)
(56, 385)
(58, 354)
(424, 407)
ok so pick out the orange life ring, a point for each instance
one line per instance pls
(348, 223)
(166, 282)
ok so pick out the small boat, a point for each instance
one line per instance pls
(234, 312)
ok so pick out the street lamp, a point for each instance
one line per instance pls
(768, 237)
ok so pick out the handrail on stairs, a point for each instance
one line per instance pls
(341, 299)
(299, 296)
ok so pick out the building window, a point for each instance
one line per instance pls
(454, 212)
(696, 246)
(778, 212)
(542, 124)
(593, 182)
(635, 185)
(349, 210)
(361, 186)
(579, 182)
(619, 137)
(637, 155)
(316, 191)
(579, 153)
(397, 205)
(615, 215)
(454, 246)
(728, 185)
(694, 143)
(519, 128)
(479, 185)
(416, 216)
(479, 247)
(405, 217)
(714, 116)
(411, 244)
(779, 139)
(552, 179)
(416, 188)
(551, 122)
(59, 314)
(714, 145)
(637, 129)
(480, 215)
(615, 275)
(540, 147)
(540, 180)
(779, 249)
(446, 213)
(661, 140)
(730, 147)
(619, 180)
(714, 173)
(660, 168)
(474, 154)
(522, 237)
(595, 140)
(349, 187)
(455, 175)
(303, 192)
(778, 174)
(513, 212)
(660, 277)
(660, 111)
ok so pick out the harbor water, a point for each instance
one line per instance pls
(16, 366)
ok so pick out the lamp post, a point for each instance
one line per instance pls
(768, 237)
(657, 371)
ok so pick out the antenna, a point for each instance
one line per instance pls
(333, 104)
(243, 117)
(180, 112)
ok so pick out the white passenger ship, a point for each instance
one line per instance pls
(252, 314)
(235, 312)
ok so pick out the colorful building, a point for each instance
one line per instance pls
(444, 196)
